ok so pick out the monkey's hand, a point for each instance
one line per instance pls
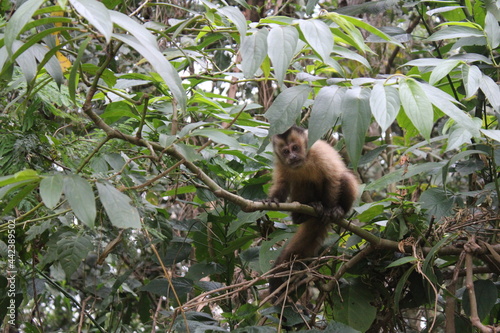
(271, 200)
(328, 214)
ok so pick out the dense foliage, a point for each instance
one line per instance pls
(134, 157)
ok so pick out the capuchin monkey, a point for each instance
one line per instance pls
(317, 177)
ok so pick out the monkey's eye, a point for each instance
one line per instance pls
(295, 148)
(286, 151)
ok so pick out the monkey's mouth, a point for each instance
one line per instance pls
(295, 164)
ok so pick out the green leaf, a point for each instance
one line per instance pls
(384, 104)
(491, 90)
(400, 287)
(348, 54)
(443, 69)
(162, 66)
(18, 20)
(493, 134)
(117, 205)
(81, 198)
(458, 137)
(217, 136)
(351, 35)
(253, 52)
(26, 60)
(437, 201)
(417, 106)
(325, 112)
(353, 306)
(51, 189)
(356, 117)
(282, 42)
(318, 35)
(236, 16)
(486, 297)
(455, 32)
(286, 108)
(455, 159)
(243, 219)
(492, 30)
(71, 250)
(471, 76)
(425, 62)
(97, 14)
(20, 176)
(446, 104)
(371, 29)
(427, 267)
(137, 30)
(402, 261)
(20, 196)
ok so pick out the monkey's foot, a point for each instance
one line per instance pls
(328, 215)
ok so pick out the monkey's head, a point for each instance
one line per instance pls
(291, 147)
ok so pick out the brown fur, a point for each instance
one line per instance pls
(317, 177)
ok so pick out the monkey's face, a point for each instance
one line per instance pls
(293, 155)
(291, 148)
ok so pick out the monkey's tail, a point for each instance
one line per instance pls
(304, 244)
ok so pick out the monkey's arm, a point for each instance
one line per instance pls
(279, 190)
(337, 199)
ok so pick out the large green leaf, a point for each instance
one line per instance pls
(117, 205)
(384, 104)
(493, 134)
(356, 118)
(325, 112)
(162, 66)
(285, 110)
(471, 76)
(438, 202)
(491, 90)
(21, 195)
(20, 176)
(217, 136)
(73, 74)
(492, 30)
(371, 29)
(97, 14)
(353, 306)
(417, 106)
(137, 30)
(486, 298)
(458, 136)
(26, 61)
(18, 20)
(81, 198)
(236, 16)
(455, 159)
(348, 54)
(51, 189)
(253, 52)
(455, 32)
(282, 42)
(446, 104)
(318, 35)
(72, 249)
(443, 69)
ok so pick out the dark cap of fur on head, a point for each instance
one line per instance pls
(286, 134)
